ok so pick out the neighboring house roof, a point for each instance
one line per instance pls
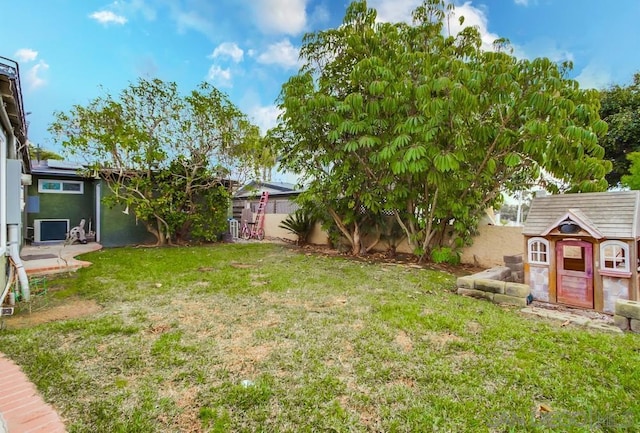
(608, 215)
(11, 97)
(57, 168)
(273, 188)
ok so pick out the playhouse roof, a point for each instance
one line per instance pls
(608, 215)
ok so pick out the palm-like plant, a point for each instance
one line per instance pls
(301, 223)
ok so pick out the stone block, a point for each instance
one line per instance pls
(511, 300)
(493, 286)
(627, 308)
(497, 273)
(465, 282)
(634, 325)
(517, 289)
(512, 259)
(604, 327)
(621, 322)
(515, 267)
(476, 294)
(517, 277)
(581, 321)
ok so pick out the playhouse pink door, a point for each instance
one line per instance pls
(574, 260)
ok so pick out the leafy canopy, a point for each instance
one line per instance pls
(429, 127)
(166, 156)
(621, 110)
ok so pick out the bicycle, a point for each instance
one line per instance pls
(253, 232)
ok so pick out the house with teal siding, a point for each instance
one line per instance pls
(61, 195)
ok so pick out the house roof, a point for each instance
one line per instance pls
(608, 215)
(273, 188)
(11, 97)
(58, 168)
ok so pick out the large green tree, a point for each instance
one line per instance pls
(406, 119)
(620, 108)
(632, 178)
(168, 157)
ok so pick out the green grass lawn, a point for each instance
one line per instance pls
(260, 338)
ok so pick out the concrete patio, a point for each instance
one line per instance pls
(56, 257)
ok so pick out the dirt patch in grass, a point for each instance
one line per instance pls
(404, 341)
(72, 308)
(441, 339)
(188, 420)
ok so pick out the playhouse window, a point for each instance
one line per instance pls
(60, 186)
(538, 251)
(614, 256)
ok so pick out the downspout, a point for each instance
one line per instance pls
(97, 223)
(13, 235)
(14, 253)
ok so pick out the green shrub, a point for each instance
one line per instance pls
(301, 223)
(445, 255)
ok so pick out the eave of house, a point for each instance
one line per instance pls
(273, 188)
(11, 96)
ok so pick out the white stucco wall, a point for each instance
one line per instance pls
(488, 249)
(271, 230)
(492, 244)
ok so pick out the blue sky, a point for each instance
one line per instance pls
(69, 49)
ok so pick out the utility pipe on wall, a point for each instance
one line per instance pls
(12, 227)
(14, 253)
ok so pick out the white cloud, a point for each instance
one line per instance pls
(394, 11)
(593, 76)
(265, 117)
(400, 11)
(281, 16)
(34, 77)
(193, 20)
(108, 17)
(147, 11)
(219, 76)
(229, 49)
(281, 53)
(26, 55)
(473, 17)
(544, 47)
(521, 2)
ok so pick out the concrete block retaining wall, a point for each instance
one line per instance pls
(627, 315)
(516, 266)
(494, 285)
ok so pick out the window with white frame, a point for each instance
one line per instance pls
(538, 250)
(56, 186)
(614, 256)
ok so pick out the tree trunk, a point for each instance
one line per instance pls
(356, 247)
(154, 231)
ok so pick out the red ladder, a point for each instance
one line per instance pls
(259, 221)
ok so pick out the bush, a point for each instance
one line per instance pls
(301, 223)
(445, 255)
